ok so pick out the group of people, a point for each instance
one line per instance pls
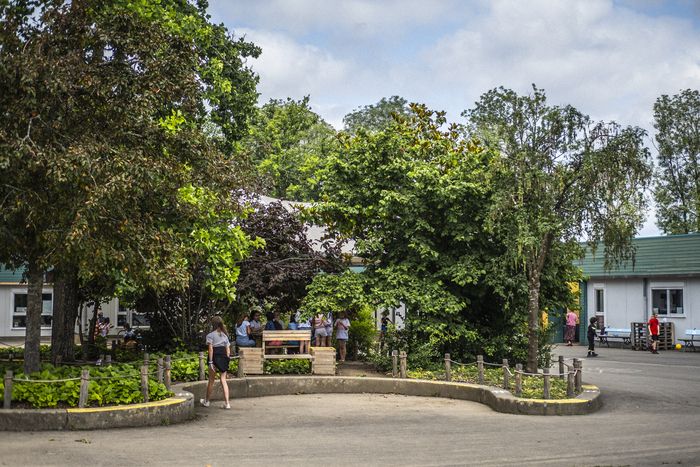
(592, 334)
(249, 330)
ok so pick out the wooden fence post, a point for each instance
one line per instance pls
(7, 402)
(518, 379)
(201, 366)
(480, 366)
(545, 372)
(448, 368)
(241, 368)
(146, 358)
(394, 363)
(506, 381)
(159, 370)
(168, 375)
(144, 382)
(578, 366)
(562, 374)
(570, 384)
(402, 364)
(84, 386)
(11, 355)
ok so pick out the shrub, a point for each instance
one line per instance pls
(284, 367)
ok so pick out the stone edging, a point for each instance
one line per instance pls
(176, 409)
(499, 400)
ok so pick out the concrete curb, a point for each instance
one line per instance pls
(176, 409)
(499, 400)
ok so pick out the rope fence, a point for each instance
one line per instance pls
(161, 372)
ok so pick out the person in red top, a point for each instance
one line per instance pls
(653, 327)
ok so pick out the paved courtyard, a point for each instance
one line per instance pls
(651, 416)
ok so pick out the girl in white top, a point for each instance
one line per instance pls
(342, 325)
(219, 358)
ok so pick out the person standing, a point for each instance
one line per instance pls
(653, 328)
(219, 358)
(342, 325)
(570, 330)
(320, 334)
(592, 336)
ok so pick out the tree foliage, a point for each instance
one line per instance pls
(288, 143)
(558, 178)
(103, 109)
(376, 117)
(677, 194)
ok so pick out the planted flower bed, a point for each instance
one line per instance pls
(533, 386)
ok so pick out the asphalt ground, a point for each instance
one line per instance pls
(651, 416)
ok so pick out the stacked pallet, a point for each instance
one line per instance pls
(323, 362)
(251, 360)
(667, 338)
(640, 339)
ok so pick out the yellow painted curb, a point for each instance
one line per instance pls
(142, 405)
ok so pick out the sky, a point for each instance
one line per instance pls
(610, 59)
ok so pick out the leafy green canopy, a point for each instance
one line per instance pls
(415, 197)
(677, 193)
(557, 178)
(376, 117)
(288, 143)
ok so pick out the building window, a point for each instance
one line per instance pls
(139, 319)
(599, 307)
(122, 315)
(19, 310)
(667, 301)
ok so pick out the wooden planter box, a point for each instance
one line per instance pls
(323, 362)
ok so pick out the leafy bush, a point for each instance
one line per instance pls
(285, 367)
(116, 384)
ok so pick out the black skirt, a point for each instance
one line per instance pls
(220, 360)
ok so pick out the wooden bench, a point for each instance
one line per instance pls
(285, 338)
(694, 337)
(623, 335)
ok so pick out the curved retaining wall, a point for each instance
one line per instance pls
(498, 399)
(176, 409)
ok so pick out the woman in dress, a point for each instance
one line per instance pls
(219, 358)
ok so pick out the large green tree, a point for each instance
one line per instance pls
(102, 110)
(677, 193)
(558, 178)
(288, 143)
(415, 196)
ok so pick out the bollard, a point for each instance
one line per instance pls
(84, 386)
(108, 359)
(159, 370)
(480, 366)
(545, 372)
(7, 402)
(448, 368)
(402, 363)
(201, 366)
(570, 384)
(518, 379)
(144, 382)
(578, 366)
(561, 367)
(394, 363)
(506, 381)
(168, 366)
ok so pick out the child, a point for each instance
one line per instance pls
(591, 337)
(219, 358)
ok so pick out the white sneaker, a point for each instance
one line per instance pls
(204, 402)
(226, 406)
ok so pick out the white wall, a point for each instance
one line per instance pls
(625, 303)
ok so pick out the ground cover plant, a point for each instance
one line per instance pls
(109, 385)
(533, 386)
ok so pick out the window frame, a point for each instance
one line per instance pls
(668, 288)
(598, 314)
(13, 313)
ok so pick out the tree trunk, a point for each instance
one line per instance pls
(35, 284)
(65, 313)
(93, 323)
(533, 322)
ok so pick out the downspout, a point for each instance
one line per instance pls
(646, 300)
(583, 313)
